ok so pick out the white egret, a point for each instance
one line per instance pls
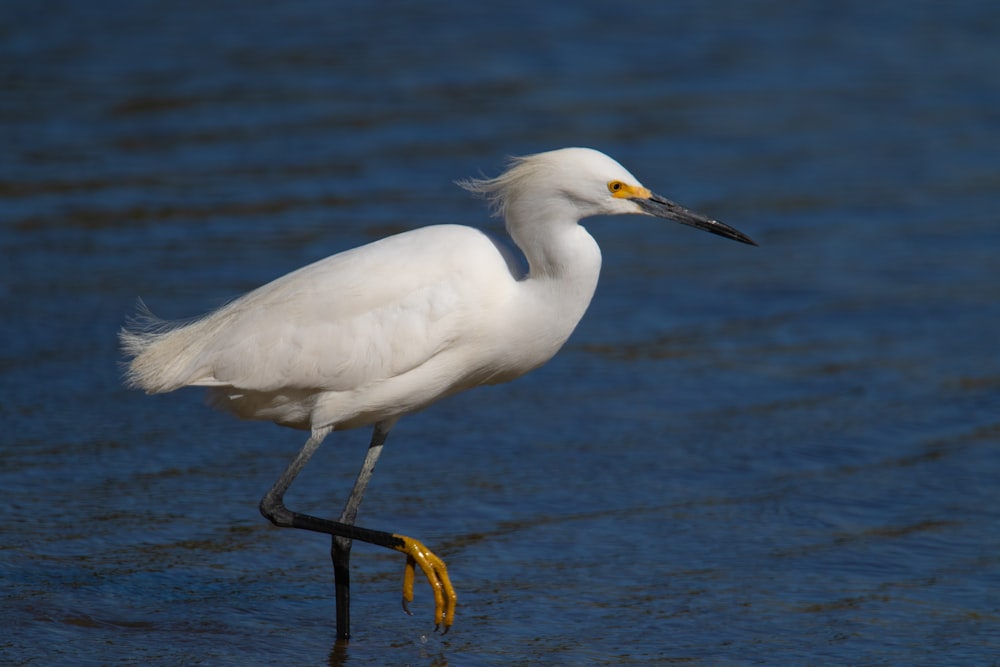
(368, 335)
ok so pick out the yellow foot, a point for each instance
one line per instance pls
(437, 575)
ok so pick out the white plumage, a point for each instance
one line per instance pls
(386, 329)
(392, 326)
(362, 335)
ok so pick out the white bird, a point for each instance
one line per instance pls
(368, 335)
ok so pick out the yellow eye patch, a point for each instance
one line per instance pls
(623, 190)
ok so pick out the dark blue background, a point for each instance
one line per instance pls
(785, 455)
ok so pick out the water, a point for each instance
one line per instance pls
(782, 455)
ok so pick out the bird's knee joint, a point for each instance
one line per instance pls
(274, 510)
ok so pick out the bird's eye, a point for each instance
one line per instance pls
(619, 189)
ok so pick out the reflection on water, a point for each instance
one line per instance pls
(782, 455)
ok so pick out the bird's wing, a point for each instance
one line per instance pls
(355, 318)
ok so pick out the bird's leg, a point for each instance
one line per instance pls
(340, 547)
(272, 506)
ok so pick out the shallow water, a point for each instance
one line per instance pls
(781, 455)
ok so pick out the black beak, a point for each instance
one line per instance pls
(664, 208)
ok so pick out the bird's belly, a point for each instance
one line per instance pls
(377, 401)
(288, 407)
(447, 374)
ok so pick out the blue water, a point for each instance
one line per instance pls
(785, 455)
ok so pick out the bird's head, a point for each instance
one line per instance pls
(587, 183)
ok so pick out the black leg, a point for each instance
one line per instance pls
(340, 547)
(341, 555)
(272, 506)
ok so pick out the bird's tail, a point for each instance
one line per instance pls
(161, 355)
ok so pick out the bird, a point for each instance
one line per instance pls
(383, 330)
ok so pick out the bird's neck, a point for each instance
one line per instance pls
(555, 248)
(564, 262)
